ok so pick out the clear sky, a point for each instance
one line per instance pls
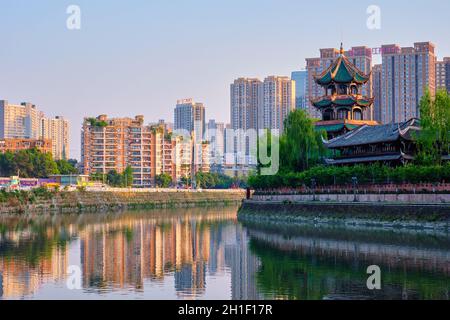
(140, 56)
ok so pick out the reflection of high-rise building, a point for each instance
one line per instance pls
(134, 250)
(190, 280)
(407, 74)
(19, 280)
(1, 284)
(215, 250)
(126, 252)
(244, 266)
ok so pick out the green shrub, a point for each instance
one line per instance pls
(373, 174)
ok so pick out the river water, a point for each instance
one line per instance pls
(208, 254)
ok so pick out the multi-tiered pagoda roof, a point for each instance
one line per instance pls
(343, 106)
(342, 71)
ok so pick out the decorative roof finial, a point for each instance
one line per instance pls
(342, 49)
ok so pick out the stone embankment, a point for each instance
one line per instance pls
(429, 211)
(418, 198)
(104, 201)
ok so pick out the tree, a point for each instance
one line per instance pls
(434, 138)
(213, 181)
(163, 180)
(30, 163)
(263, 149)
(7, 164)
(128, 177)
(114, 179)
(185, 181)
(65, 167)
(73, 162)
(300, 145)
(43, 164)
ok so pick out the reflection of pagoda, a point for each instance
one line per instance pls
(343, 107)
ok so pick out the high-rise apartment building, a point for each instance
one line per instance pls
(183, 153)
(360, 57)
(407, 74)
(447, 72)
(19, 121)
(216, 139)
(114, 144)
(189, 116)
(377, 73)
(300, 88)
(278, 102)
(246, 96)
(443, 74)
(57, 130)
(150, 150)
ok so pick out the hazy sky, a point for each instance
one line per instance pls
(140, 56)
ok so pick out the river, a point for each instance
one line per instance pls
(209, 254)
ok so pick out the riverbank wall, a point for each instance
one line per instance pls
(105, 201)
(380, 198)
(421, 211)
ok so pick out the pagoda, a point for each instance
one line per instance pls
(343, 107)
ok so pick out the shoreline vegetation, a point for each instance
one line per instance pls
(42, 200)
(328, 177)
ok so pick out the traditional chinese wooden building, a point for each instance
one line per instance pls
(390, 144)
(342, 106)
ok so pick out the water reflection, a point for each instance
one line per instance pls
(310, 263)
(208, 254)
(128, 253)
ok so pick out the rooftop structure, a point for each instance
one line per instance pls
(388, 144)
(343, 106)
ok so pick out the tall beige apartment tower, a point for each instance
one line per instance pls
(407, 73)
(360, 56)
(19, 121)
(278, 102)
(57, 130)
(377, 74)
(245, 96)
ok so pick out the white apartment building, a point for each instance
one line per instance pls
(189, 116)
(278, 102)
(57, 130)
(19, 121)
